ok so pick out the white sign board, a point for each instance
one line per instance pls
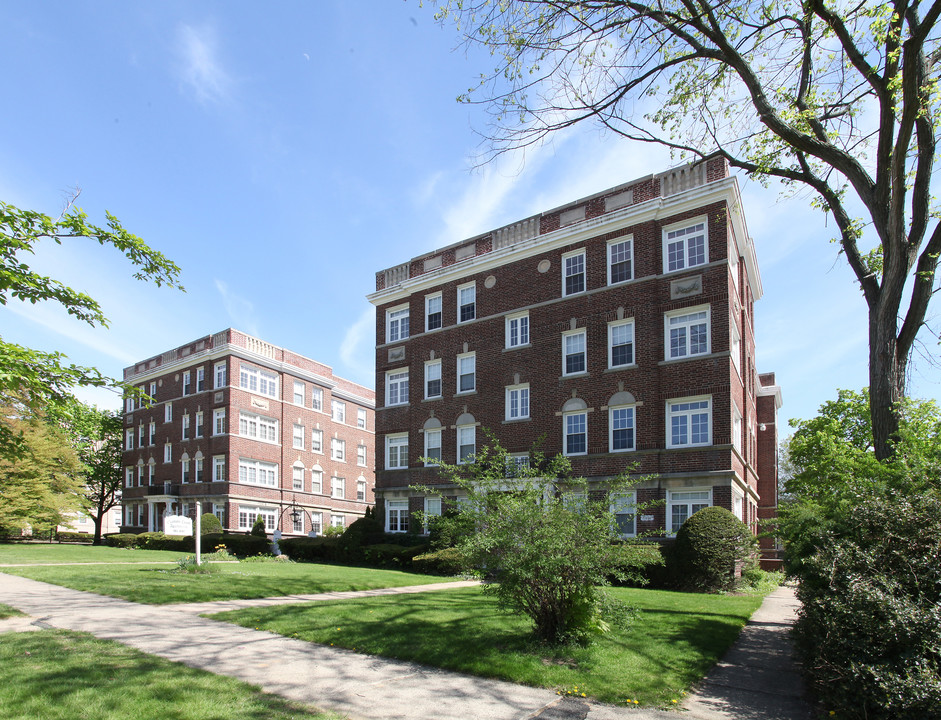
(178, 525)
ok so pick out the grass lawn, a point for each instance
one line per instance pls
(673, 643)
(62, 675)
(56, 553)
(159, 584)
(7, 612)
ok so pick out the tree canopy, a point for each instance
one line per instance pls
(42, 378)
(839, 99)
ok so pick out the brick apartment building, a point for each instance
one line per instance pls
(244, 429)
(619, 326)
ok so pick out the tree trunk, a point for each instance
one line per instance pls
(886, 382)
(97, 519)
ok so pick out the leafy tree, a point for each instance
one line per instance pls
(96, 437)
(836, 99)
(545, 538)
(41, 487)
(42, 378)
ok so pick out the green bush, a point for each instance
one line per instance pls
(446, 561)
(307, 549)
(869, 629)
(122, 540)
(711, 548)
(209, 524)
(639, 565)
(363, 531)
(66, 536)
(258, 528)
(241, 545)
(391, 556)
(162, 541)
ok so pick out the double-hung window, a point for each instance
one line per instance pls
(298, 437)
(397, 451)
(218, 422)
(256, 472)
(338, 449)
(466, 303)
(432, 447)
(685, 246)
(621, 344)
(687, 332)
(339, 411)
(467, 373)
(397, 387)
(316, 398)
(200, 379)
(574, 352)
(186, 427)
(689, 422)
(432, 379)
(396, 516)
(316, 440)
(517, 402)
(623, 507)
(432, 312)
(129, 440)
(361, 418)
(432, 509)
(256, 426)
(682, 504)
(575, 431)
(187, 382)
(573, 273)
(258, 381)
(316, 480)
(621, 436)
(221, 375)
(299, 393)
(297, 477)
(338, 487)
(361, 490)
(168, 412)
(620, 261)
(219, 473)
(153, 431)
(517, 330)
(466, 443)
(397, 324)
(361, 455)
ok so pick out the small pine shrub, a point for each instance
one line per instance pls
(711, 547)
(258, 529)
(209, 524)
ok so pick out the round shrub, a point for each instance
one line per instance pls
(123, 540)
(209, 524)
(360, 532)
(710, 549)
(447, 561)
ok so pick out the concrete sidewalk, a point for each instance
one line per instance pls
(367, 687)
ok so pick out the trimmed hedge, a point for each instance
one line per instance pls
(242, 545)
(710, 549)
(79, 537)
(308, 549)
(122, 540)
(641, 565)
(447, 561)
(390, 555)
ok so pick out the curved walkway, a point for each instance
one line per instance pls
(746, 684)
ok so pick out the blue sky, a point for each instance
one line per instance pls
(282, 153)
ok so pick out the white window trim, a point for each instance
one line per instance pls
(669, 416)
(618, 241)
(611, 410)
(584, 273)
(337, 409)
(509, 319)
(565, 432)
(624, 501)
(460, 357)
(217, 370)
(429, 511)
(398, 508)
(316, 485)
(316, 399)
(338, 482)
(297, 441)
(361, 457)
(362, 418)
(472, 428)
(316, 432)
(670, 503)
(617, 323)
(403, 397)
(570, 333)
(303, 393)
(510, 389)
(266, 428)
(247, 463)
(338, 449)
(680, 226)
(428, 364)
(398, 310)
(465, 286)
(667, 327)
(390, 441)
(440, 435)
(735, 346)
(428, 299)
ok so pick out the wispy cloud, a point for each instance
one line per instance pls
(240, 311)
(201, 67)
(356, 350)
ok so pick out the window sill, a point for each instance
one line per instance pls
(510, 421)
(689, 358)
(517, 347)
(575, 375)
(632, 366)
(464, 393)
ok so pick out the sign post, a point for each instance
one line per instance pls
(199, 534)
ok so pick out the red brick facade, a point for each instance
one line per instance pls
(683, 393)
(254, 452)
